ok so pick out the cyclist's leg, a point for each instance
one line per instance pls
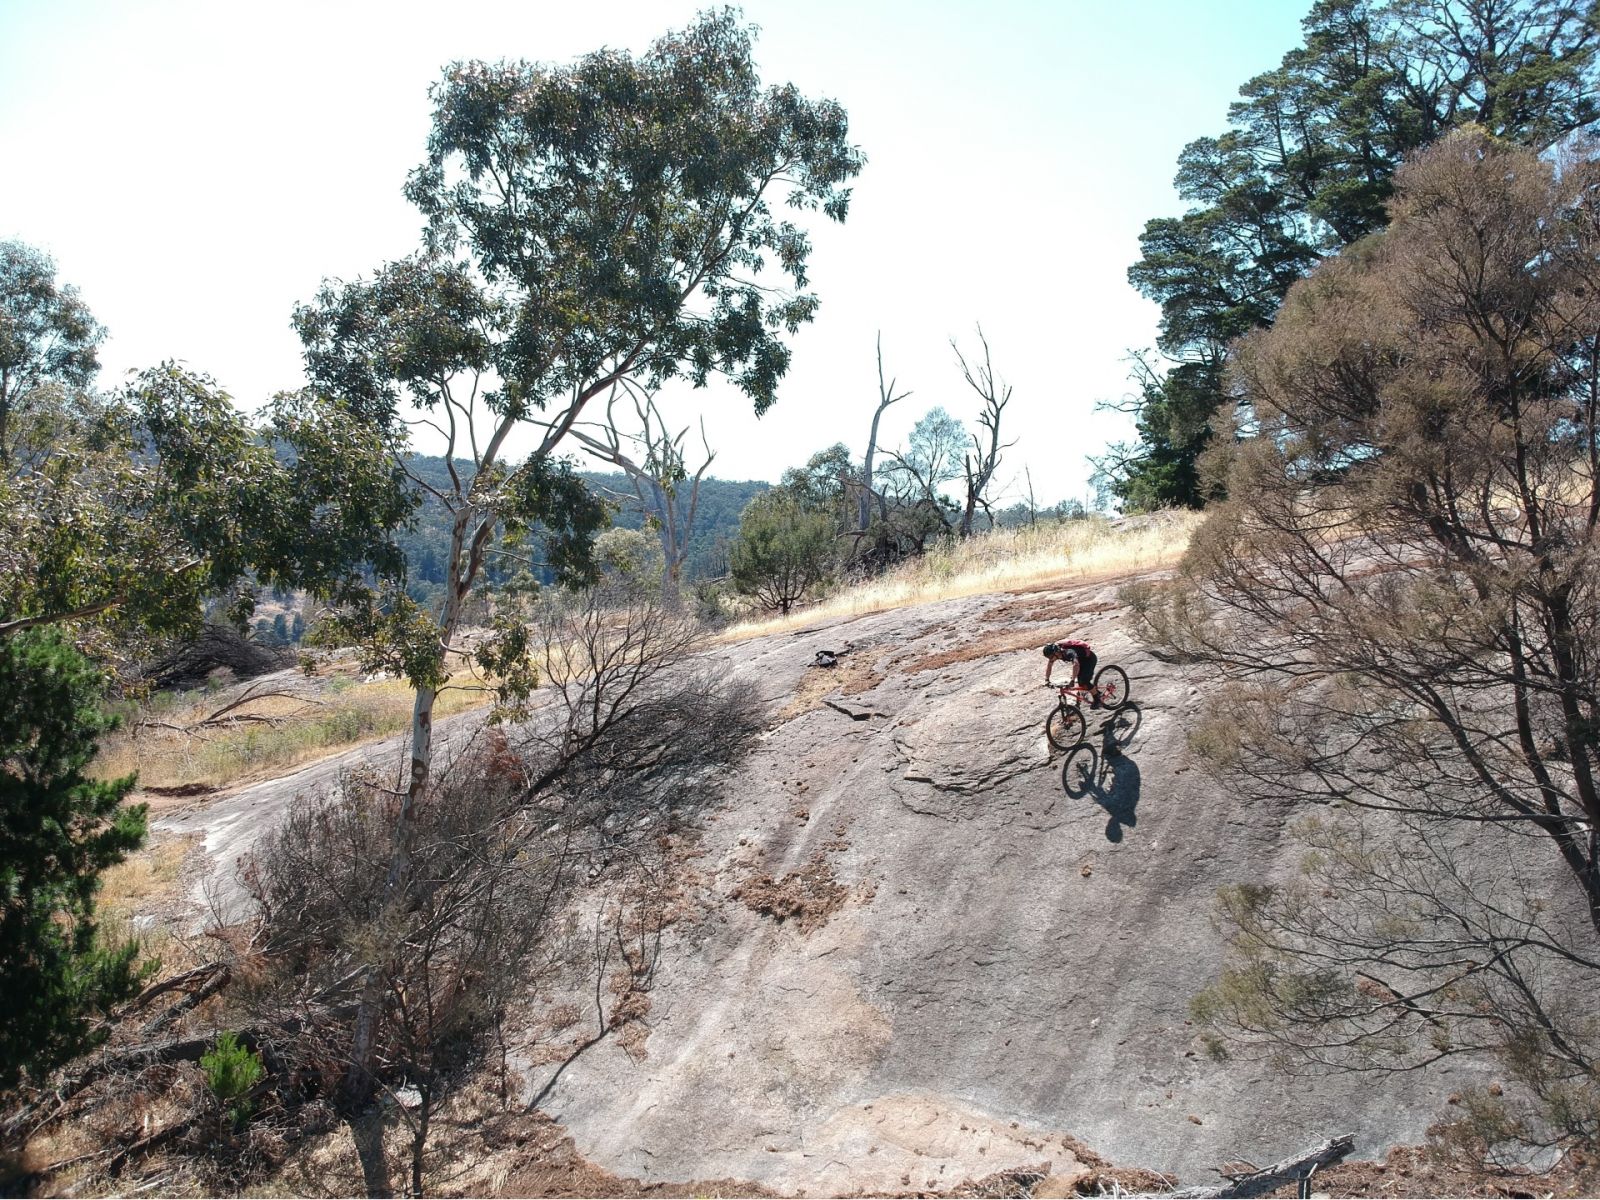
(1086, 665)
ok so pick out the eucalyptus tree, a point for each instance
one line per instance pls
(617, 219)
(1306, 166)
(48, 339)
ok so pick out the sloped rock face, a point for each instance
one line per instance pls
(1009, 966)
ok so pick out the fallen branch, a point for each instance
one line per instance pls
(172, 983)
(194, 999)
(150, 1054)
(1268, 1179)
(229, 715)
(154, 1142)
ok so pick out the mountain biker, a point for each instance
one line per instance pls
(1072, 653)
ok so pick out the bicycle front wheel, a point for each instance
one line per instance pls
(1077, 773)
(1065, 727)
(1112, 685)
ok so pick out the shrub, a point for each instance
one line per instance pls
(231, 1071)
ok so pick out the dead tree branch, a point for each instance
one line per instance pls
(886, 397)
(1298, 1167)
(983, 459)
(658, 481)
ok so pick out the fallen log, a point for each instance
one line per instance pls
(219, 980)
(1297, 1169)
(172, 983)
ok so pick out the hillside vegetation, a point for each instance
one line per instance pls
(739, 837)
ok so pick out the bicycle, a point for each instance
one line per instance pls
(1066, 726)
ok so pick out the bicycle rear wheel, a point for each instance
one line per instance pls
(1077, 773)
(1065, 727)
(1111, 682)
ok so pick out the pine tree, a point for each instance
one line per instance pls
(58, 830)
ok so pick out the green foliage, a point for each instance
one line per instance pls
(337, 502)
(630, 558)
(558, 179)
(783, 550)
(1307, 167)
(716, 519)
(58, 830)
(131, 509)
(143, 506)
(47, 348)
(545, 502)
(618, 219)
(231, 1071)
(823, 485)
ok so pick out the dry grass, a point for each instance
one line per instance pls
(149, 875)
(810, 895)
(345, 715)
(137, 894)
(1004, 560)
(988, 646)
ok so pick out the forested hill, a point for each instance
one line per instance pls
(716, 520)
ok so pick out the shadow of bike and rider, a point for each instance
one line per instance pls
(1101, 769)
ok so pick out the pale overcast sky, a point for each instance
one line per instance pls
(197, 168)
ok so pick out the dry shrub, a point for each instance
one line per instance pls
(583, 797)
(808, 896)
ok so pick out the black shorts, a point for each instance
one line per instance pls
(1086, 662)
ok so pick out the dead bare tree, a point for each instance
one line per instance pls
(869, 493)
(980, 463)
(658, 481)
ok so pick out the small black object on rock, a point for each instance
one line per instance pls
(826, 658)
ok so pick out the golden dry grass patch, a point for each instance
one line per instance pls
(143, 877)
(344, 715)
(999, 561)
(140, 897)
